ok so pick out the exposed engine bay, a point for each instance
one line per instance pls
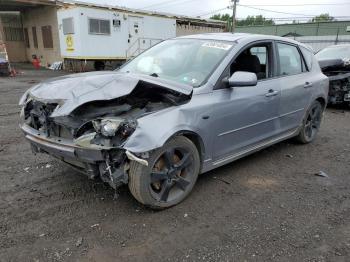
(338, 72)
(102, 125)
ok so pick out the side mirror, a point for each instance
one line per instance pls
(241, 78)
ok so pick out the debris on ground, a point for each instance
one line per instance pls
(48, 166)
(95, 225)
(289, 155)
(321, 174)
(185, 215)
(222, 180)
(79, 242)
(26, 169)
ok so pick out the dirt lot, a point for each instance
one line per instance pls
(266, 207)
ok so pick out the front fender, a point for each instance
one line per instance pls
(155, 129)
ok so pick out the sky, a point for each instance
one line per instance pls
(205, 8)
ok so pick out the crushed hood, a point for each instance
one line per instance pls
(329, 64)
(75, 90)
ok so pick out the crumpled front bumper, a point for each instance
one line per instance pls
(61, 148)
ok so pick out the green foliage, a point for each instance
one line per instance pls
(322, 18)
(250, 20)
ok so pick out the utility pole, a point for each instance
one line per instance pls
(234, 14)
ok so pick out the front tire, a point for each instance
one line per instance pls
(170, 176)
(311, 123)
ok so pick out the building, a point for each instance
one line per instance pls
(317, 35)
(79, 32)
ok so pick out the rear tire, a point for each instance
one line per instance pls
(169, 177)
(311, 123)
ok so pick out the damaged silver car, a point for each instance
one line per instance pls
(335, 63)
(183, 107)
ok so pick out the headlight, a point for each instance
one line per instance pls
(107, 127)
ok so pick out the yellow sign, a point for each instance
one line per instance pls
(69, 43)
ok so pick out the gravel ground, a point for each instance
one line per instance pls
(266, 207)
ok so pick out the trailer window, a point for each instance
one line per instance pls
(68, 26)
(99, 26)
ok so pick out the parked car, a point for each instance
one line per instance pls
(4, 67)
(183, 107)
(335, 63)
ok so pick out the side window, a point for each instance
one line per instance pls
(254, 59)
(308, 56)
(291, 62)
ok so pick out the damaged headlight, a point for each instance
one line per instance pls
(110, 126)
(109, 132)
(107, 127)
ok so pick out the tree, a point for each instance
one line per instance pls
(250, 20)
(222, 17)
(323, 18)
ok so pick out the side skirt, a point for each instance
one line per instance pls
(253, 149)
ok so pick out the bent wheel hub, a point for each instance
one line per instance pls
(171, 174)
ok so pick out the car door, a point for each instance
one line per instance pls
(296, 84)
(246, 116)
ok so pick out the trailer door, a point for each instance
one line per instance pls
(135, 35)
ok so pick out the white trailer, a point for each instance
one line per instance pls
(100, 35)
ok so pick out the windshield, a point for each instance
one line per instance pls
(189, 61)
(339, 52)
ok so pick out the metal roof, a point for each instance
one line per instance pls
(21, 5)
(141, 11)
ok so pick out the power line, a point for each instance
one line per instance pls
(272, 11)
(302, 4)
(296, 17)
(171, 2)
(213, 12)
(261, 9)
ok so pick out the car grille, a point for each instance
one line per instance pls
(38, 117)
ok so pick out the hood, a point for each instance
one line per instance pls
(326, 63)
(72, 91)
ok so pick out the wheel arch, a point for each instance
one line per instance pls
(322, 101)
(196, 140)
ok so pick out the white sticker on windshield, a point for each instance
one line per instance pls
(219, 45)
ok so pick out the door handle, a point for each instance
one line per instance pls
(307, 85)
(271, 93)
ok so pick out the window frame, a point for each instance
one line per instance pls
(35, 37)
(99, 26)
(26, 37)
(304, 55)
(272, 59)
(46, 41)
(72, 31)
(302, 59)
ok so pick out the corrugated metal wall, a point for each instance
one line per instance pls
(303, 29)
(316, 35)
